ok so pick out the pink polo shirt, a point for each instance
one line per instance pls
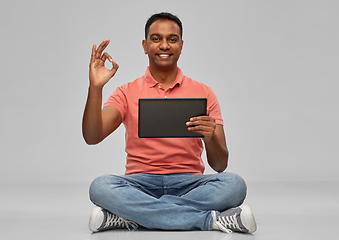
(161, 155)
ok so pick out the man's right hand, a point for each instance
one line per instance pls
(99, 75)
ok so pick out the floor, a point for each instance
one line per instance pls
(289, 210)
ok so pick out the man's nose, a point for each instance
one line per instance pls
(164, 45)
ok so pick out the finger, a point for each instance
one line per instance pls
(205, 131)
(101, 48)
(197, 128)
(193, 123)
(201, 119)
(201, 128)
(207, 112)
(93, 53)
(106, 56)
(114, 68)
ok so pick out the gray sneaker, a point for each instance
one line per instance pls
(239, 219)
(101, 219)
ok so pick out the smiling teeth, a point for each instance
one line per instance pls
(164, 55)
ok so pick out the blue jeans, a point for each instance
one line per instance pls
(181, 201)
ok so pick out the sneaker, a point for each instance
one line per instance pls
(239, 219)
(101, 219)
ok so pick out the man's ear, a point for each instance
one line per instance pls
(144, 46)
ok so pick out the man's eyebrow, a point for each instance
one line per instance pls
(174, 35)
(158, 35)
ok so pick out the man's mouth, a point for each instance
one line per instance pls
(164, 55)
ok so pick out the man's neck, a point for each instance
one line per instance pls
(165, 77)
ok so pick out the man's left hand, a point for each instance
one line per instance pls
(205, 125)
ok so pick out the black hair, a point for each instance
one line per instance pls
(163, 16)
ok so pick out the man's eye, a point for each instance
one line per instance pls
(155, 39)
(173, 40)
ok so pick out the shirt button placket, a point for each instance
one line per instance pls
(161, 90)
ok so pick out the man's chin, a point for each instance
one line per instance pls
(165, 65)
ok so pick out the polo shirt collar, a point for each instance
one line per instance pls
(152, 82)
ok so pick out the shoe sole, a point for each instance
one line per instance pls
(247, 219)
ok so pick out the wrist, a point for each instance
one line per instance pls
(209, 139)
(95, 88)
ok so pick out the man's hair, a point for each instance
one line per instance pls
(163, 16)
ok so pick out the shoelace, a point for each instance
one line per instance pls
(218, 224)
(229, 222)
(114, 220)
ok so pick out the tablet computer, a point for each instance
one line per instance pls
(167, 117)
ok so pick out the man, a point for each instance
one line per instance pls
(163, 186)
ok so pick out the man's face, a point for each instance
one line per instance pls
(163, 44)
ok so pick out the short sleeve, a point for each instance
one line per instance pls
(214, 106)
(119, 101)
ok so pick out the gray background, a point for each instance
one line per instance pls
(272, 64)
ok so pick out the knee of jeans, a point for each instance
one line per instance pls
(241, 186)
(237, 183)
(98, 187)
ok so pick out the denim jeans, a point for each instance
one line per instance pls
(181, 201)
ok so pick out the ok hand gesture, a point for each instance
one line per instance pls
(99, 75)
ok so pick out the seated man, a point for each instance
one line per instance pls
(164, 186)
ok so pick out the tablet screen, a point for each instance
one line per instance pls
(167, 117)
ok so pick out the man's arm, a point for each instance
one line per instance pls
(216, 149)
(97, 124)
(214, 138)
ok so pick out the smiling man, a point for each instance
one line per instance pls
(164, 186)
(163, 46)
